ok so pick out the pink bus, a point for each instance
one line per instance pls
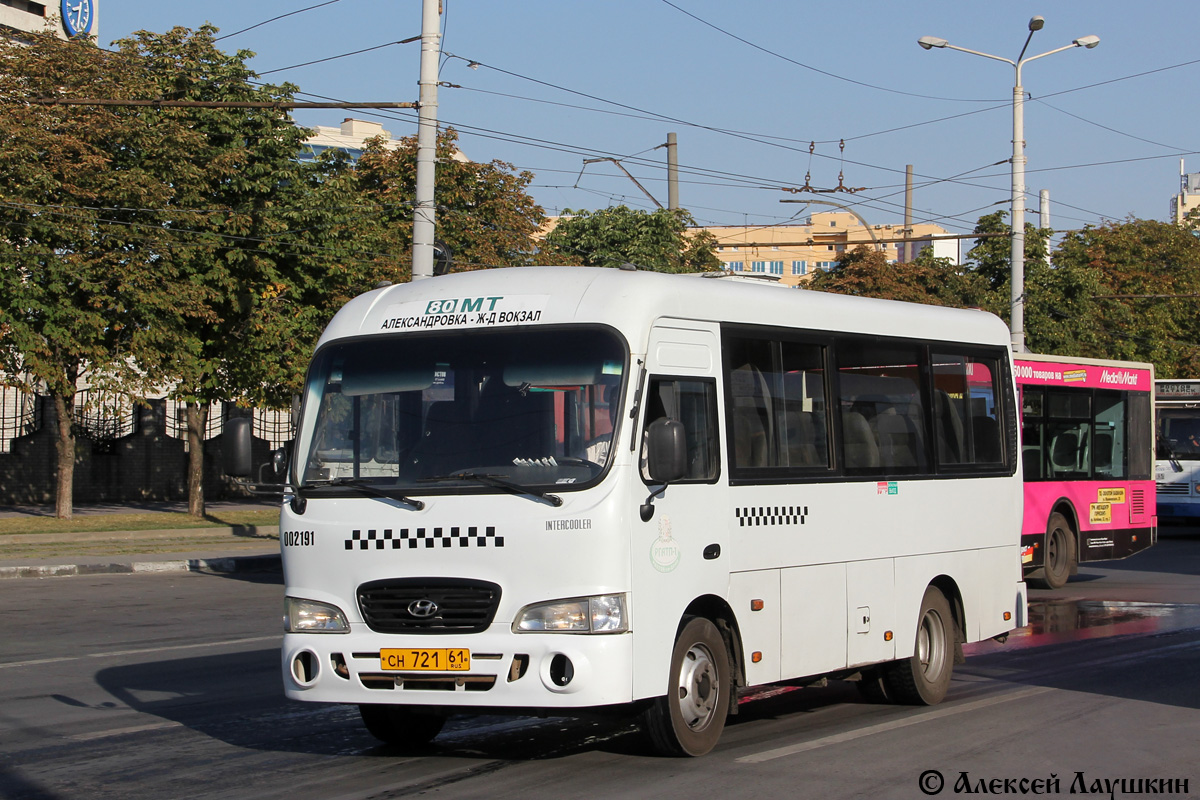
(1087, 443)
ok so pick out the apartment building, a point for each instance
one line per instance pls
(66, 18)
(1188, 198)
(794, 252)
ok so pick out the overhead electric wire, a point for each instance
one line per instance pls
(342, 55)
(274, 19)
(1107, 128)
(563, 147)
(764, 139)
(1123, 78)
(817, 70)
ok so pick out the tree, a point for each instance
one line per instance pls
(1139, 299)
(661, 240)
(992, 255)
(76, 267)
(485, 216)
(935, 281)
(247, 244)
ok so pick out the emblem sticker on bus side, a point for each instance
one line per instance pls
(664, 551)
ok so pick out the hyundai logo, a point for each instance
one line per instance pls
(422, 608)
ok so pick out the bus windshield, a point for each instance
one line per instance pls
(455, 410)
(1179, 434)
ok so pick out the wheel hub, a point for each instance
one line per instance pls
(698, 692)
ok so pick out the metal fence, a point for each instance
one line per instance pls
(104, 416)
(20, 415)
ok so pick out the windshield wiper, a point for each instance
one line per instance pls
(369, 487)
(498, 482)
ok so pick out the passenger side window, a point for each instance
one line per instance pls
(879, 401)
(1109, 438)
(1067, 433)
(966, 415)
(777, 404)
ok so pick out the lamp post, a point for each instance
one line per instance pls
(1017, 319)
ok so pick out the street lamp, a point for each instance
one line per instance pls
(1017, 323)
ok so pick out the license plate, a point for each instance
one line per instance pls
(438, 659)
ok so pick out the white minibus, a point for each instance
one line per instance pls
(567, 489)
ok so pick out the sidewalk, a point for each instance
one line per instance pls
(221, 549)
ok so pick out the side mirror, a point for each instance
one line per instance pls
(666, 451)
(235, 446)
(279, 460)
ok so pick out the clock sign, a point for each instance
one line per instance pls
(77, 16)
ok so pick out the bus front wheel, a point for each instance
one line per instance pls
(924, 678)
(1059, 557)
(401, 725)
(688, 721)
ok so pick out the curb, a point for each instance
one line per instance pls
(222, 566)
(245, 531)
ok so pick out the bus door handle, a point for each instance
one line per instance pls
(712, 551)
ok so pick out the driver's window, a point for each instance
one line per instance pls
(694, 403)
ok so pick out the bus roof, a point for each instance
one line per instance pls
(1174, 389)
(1098, 373)
(633, 300)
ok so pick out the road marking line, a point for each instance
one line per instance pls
(140, 651)
(947, 711)
(152, 726)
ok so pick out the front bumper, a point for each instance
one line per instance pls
(507, 670)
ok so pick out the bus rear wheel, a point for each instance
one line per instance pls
(401, 725)
(688, 721)
(1059, 557)
(924, 678)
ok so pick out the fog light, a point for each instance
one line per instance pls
(304, 667)
(561, 670)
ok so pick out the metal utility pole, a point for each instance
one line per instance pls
(424, 213)
(1017, 297)
(908, 221)
(1044, 216)
(672, 171)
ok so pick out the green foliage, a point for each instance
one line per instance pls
(991, 255)
(484, 214)
(934, 281)
(661, 240)
(243, 288)
(73, 276)
(1135, 296)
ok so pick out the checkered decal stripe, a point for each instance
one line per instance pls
(394, 540)
(771, 515)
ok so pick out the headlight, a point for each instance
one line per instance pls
(600, 614)
(309, 616)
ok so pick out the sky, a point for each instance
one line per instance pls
(763, 95)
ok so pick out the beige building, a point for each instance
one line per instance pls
(1188, 198)
(351, 136)
(65, 17)
(793, 253)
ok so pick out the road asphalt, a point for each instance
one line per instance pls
(244, 548)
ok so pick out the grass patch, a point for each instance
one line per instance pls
(147, 521)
